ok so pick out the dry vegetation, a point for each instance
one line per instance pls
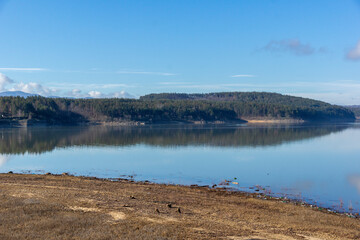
(66, 207)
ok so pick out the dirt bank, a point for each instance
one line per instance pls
(66, 207)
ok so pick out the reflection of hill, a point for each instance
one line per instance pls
(39, 140)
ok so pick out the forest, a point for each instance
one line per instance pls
(171, 107)
(355, 109)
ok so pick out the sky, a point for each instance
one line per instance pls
(92, 48)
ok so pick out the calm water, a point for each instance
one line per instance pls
(316, 163)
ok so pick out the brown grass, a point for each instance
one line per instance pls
(66, 207)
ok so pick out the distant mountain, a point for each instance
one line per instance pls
(17, 94)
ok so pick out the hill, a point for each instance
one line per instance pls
(355, 109)
(165, 108)
(242, 97)
(264, 105)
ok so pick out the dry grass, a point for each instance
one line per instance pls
(65, 207)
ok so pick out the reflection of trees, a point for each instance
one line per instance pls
(38, 140)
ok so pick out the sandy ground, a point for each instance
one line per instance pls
(66, 207)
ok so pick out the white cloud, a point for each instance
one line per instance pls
(293, 46)
(243, 75)
(77, 93)
(23, 69)
(7, 84)
(34, 88)
(121, 94)
(147, 73)
(95, 94)
(4, 81)
(354, 54)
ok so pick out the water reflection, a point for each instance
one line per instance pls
(315, 163)
(40, 140)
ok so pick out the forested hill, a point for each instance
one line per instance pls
(265, 104)
(355, 109)
(163, 108)
(242, 97)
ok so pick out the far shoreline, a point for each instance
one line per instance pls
(24, 123)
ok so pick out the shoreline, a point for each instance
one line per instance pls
(199, 212)
(24, 123)
(258, 193)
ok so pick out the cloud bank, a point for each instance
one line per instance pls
(77, 93)
(35, 88)
(7, 84)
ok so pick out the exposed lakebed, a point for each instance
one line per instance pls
(314, 163)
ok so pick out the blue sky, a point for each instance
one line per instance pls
(122, 48)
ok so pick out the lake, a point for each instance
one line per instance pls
(315, 163)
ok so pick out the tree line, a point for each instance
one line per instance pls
(179, 107)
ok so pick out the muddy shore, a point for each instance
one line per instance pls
(67, 207)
